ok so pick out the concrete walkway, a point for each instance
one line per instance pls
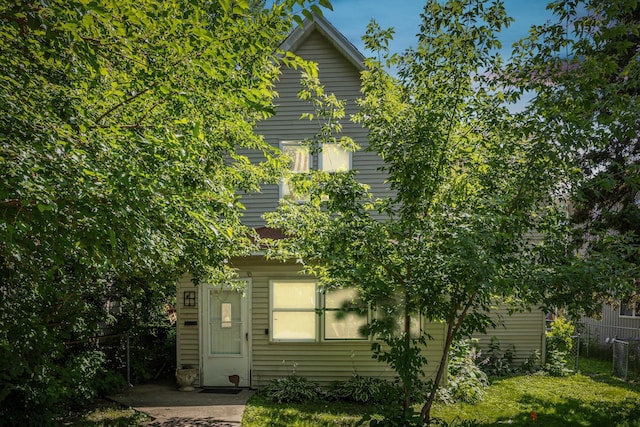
(169, 407)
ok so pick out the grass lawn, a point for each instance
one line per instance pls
(105, 414)
(591, 398)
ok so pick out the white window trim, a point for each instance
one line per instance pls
(271, 308)
(635, 315)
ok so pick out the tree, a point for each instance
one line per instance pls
(583, 72)
(473, 195)
(119, 128)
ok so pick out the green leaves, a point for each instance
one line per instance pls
(121, 125)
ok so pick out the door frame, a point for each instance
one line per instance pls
(204, 290)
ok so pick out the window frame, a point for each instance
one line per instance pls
(635, 310)
(321, 159)
(323, 325)
(273, 310)
(281, 186)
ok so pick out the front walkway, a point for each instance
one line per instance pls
(169, 407)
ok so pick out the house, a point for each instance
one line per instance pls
(274, 330)
(621, 321)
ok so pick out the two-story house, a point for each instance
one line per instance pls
(284, 323)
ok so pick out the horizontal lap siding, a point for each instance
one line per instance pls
(340, 77)
(187, 337)
(525, 331)
(610, 326)
(323, 362)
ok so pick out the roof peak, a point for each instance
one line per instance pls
(322, 25)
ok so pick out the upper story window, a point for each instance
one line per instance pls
(630, 306)
(332, 158)
(301, 159)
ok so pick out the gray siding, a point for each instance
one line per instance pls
(525, 331)
(187, 336)
(323, 362)
(602, 331)
(339, 77)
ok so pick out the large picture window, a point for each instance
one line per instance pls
(296, 307)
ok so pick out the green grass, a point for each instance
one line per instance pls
(590, 398)
(262, 413)
(105, 414)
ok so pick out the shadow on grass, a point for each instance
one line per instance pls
(568, 411)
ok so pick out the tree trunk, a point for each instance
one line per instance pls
(425, 412)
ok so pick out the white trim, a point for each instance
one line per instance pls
(337, 39)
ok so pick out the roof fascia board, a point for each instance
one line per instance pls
(340, 42)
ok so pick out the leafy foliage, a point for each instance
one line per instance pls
(582, 69)
(120, 125)
(468, 183)
(364, 390)
(292, 389)
(466, 381)
(559, 344)
(498, 362)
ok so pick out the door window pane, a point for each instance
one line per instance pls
(225, 324)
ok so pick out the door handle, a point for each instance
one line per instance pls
(246, 336)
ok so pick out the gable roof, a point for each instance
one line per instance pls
(335, 37)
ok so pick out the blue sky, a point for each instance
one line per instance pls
(351, 17)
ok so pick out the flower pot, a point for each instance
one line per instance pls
(185, 378)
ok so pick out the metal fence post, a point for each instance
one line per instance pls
(128, 363)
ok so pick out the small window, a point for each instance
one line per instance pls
(300, 158)
(293, 311)
(629, 309)
(334, 158)
(340, 321)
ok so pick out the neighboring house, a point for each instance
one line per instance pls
(617, 322)
(275, 329)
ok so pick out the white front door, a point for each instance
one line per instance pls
(225, 338)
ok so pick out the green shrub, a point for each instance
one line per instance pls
(560, 335)
(532, 364)
(364, 390)
(292, 389)
(559, 343)
(556, 365)
(466, 380)
(498, 363)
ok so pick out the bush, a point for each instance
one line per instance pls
(364, 390)
(498, 363)
(559, 343)
(292, 389)
(466, 381)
